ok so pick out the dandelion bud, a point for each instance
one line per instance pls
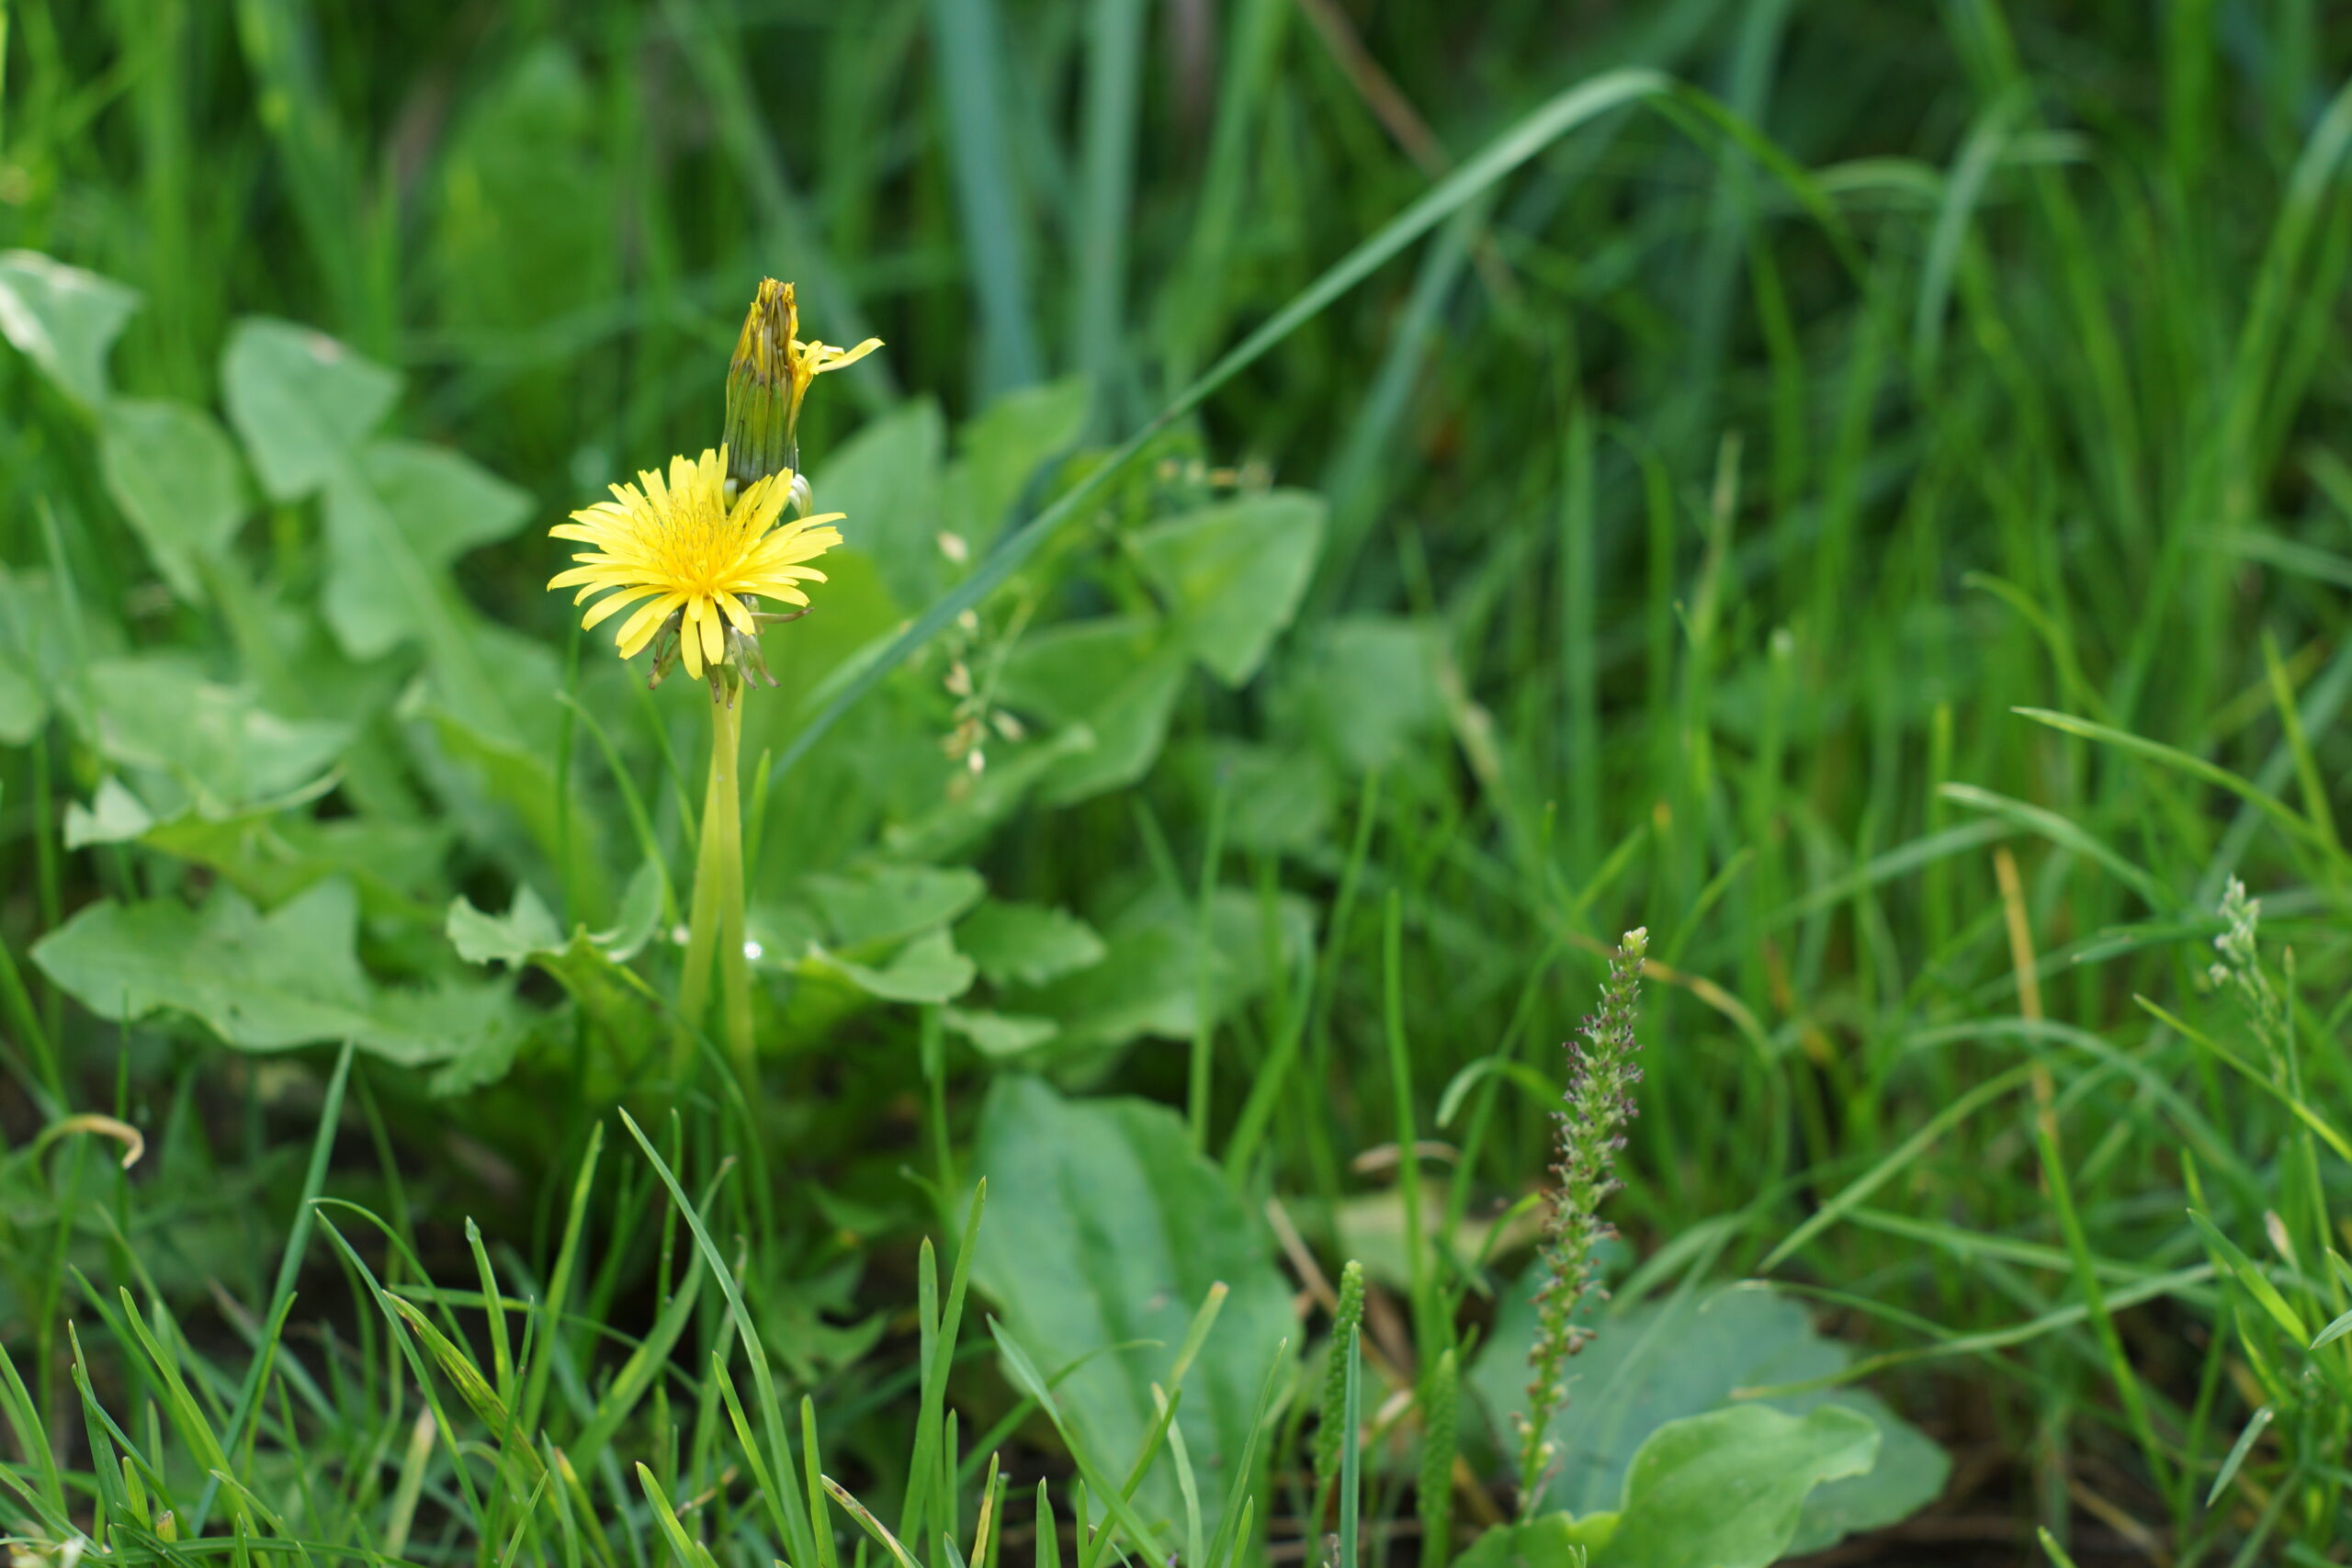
(762, 390)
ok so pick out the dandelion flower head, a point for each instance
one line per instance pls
(694, 547)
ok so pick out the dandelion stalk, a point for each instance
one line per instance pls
(1598, 1103)
(716, 924)
(691, 557)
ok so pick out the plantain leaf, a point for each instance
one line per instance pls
(887, 479)
(1654, 1363)
(1104, 1232)
(1727, 1489)
(215, 743)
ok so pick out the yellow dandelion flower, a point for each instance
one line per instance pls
(684, 549)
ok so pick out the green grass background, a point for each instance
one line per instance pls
(1733, 492)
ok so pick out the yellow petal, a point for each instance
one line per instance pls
(690, 636)
(638, 629)
(608, 605)
(714, 636)
(776, 588)
(838, 358)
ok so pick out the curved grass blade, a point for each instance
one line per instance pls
(2067, 835)
(2195, 766)
(800, 1537)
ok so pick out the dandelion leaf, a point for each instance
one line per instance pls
(302, 403)
(265, 982)
(1232, 575)
(1119, 676)
(1030, 943)
(64, 320)
(174, 474)
(880, 905)
(887, 479)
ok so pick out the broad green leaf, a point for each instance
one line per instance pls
(1000, 1034)
(64, 320)
(1726, 1489)
(264, 982)
(1067, 672)
(927, 969)
(1028, 943)
(880, 905)
(1278, 798)
(1119, 676)
(1000, 451)
(1103, 1233)
(22, 709)
(172, 469)
(1231, 575)
(114, 816)
(1552, 1540)
(849, 621)
(638, 917)
(49, 636)
(527, 928)
(588, 965)
(485, 740)
(271, 855)
(956, 823)
(1910, 1474)
(1653, 1363)
(887, 479)
(1143, 985)
(392, 537)
(1148, 980)
(301, 403)
(1367, 689)
(216, 743)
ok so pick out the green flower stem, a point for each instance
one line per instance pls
(717, 921)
